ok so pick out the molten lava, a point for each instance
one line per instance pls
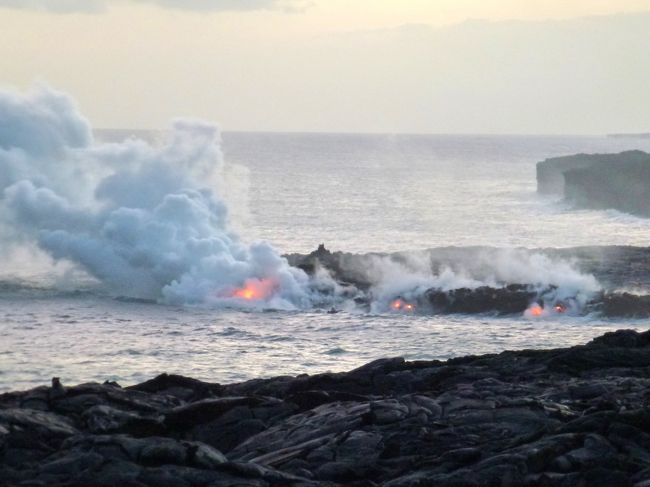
(401, 305)
(536, 310)
(255, 289)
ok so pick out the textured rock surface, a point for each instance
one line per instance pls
(565, 417)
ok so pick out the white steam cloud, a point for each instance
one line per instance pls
(152, 222)
(557, 280)
(148, 222)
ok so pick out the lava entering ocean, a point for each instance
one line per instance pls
(256, 289)
(401, 305)
(536, 310)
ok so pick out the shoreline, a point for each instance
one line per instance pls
(569, 416)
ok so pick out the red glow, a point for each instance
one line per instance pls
(401, 305)
(255, 289)
(536, 310)
(560, 308)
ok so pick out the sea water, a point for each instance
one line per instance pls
(356, 193)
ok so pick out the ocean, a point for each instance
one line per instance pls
(352, 193)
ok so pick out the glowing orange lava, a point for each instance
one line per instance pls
(246, 293)
(536, 310)
(255, 289)
(401, 305)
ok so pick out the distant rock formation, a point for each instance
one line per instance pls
(550, 172)
(599, 181)
(638, 135)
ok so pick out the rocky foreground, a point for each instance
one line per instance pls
(568, 417)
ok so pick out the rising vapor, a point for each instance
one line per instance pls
(146, 221)
(152, 222)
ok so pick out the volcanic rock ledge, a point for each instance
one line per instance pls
(568, 417)
(599, 181)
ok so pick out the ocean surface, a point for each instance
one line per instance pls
(354, 193)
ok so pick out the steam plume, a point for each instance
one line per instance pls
(152, 222)
(146, 221)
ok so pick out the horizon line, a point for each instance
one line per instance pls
(446, 134)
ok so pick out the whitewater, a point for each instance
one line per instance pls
(130, 253)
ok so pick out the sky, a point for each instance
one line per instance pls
(390, 66)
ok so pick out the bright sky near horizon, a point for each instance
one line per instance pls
(443, 66)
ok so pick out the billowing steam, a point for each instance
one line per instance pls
(151, 222)
(146, 221)
(397, 283)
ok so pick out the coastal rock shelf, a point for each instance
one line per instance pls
(565, 417)
(613, 267)
(599, 181)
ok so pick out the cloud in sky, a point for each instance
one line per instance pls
(580, 75)
(214, 5)
(58, 6)
(95, 6)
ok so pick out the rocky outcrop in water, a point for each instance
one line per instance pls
(517, 298)
(514, 298)
(620, 185)
(614, 267)
(567, 417)
(599, 181)
(550, 172)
